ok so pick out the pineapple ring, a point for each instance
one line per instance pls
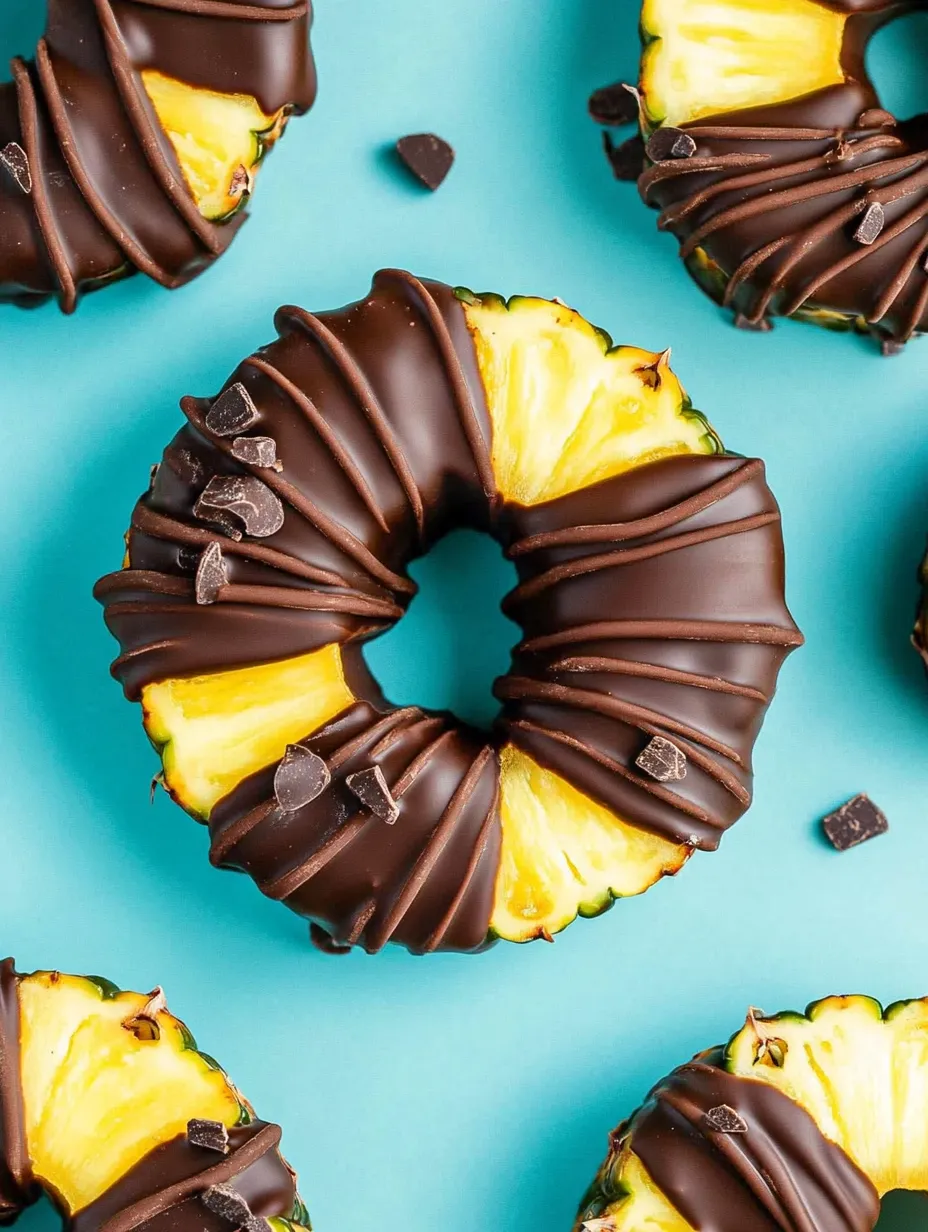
(650, 598)
(107, 1106)
(800, 1121)
(803, 203)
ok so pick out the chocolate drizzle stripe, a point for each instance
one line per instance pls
(360, 920)
(310, 601)
(325, 434)
(737, 132)
(656, 671)
(916, 315)
(640, 528)
(479, 851)
(670, 630)
(225, 8)
(142, 1212)
(898, 281)
(383, 733)
(14, 1151)
(223, 842)
(695, 166)
(283, 886)
(421, 760)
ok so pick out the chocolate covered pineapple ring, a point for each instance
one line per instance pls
(132, 141)
(274, 541)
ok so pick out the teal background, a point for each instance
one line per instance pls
(463, 1093)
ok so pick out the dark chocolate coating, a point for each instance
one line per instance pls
(775, 194)
(781, 1174)
(650, 603)
(162, 1191)
(108, 196)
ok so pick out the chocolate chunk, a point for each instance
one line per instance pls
(246, 498)
(724, 1120)
(325, 942)
(891, 346)
(211, 1135)
(211, 574)
(763, 326)
(668, 142)
(662, 760)
(230, 1206)
(301, 776)
(13, 157)
(871, 224)
(371, 789)
(233, 412)
(854, 823)
(428, 157)
(627, 159)
(240, 184)
(615, 105)
(256, 451)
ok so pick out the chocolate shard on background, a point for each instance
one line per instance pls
(14, 158)
(763, 326)
(211, 574)
(371, 789)
(301, 777)
(211, 1135)
(891, 346)
(725, 1120)
(428, 157)
(854, 822)
(247, 498)
(256, 451)
(662, 760)
(615, 105)
(669, 142)
(871, 224)
(626, 160)
(233, 412)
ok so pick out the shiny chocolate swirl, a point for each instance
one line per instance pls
(651, 604)
(817, 203)
(90, 186)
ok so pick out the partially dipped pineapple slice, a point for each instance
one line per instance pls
(219, 140)
(707, 57)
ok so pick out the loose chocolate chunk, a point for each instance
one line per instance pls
(668, 142)
(854, 823)
(871, 224)
(371, 789)
(627, 159)
(13, 157)
(724, 1120)
(211, 574)
(325, 942)
(662, 760)
(233, 412)
(301, 777)
(614, 105)
(256, 451)
(247, 498)
(229, 1205)
(211, 1135)
(890, 346)
(763, 326)
(240, 182)
(428, 157)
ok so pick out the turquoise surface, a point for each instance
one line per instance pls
(463, 1093)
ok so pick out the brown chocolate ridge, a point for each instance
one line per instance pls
(17, 1187)
(650, 604)
(774, 196)
(108, 196)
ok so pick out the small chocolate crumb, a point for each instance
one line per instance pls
(763, 326)
(14, 158)
(724, 1120)
(233, 412)
(211, 1135)
(247, 498)
(662, 760)
(871, 224)
(326, 943)
(876, 117)
(211, 574)
(240, 184)
(854, 822)
(256, 451)
(371, 789)
(891, 346)
(626, 160)
(428, 157)
(301, 777)
(615, 105)
(668, 142)
(230, 1206)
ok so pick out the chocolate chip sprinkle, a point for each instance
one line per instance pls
(233, 412)
(300, 778)
(724, 1120)
(211, 574)
(662, 760)
(669, 142)
(428, 157)
(854, 822)
(871, 224)
(371, 789)
(615, 105)
(211, 1135)
(14, 158)
(256, 451)
(245, 497)
(230, 1206)
(626, 160)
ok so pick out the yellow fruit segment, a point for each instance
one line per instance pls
(92, 1076)
(642, 1207)
(564, 855)
(214, 731)
(708, 57)
(860, 1073)
(567, 408)
(219, 139)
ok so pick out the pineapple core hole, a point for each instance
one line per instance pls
(454, 641)
(896, 59)
(902, 1211)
